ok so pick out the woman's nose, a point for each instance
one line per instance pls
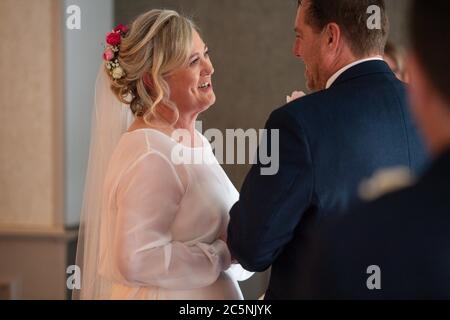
(208, 68)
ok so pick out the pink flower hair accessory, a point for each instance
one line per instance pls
(111, 53)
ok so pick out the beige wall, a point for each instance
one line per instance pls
(31, 114)
(33, 264)
(33, 242)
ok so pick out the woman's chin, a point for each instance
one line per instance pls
(211, 101)
(209, 105)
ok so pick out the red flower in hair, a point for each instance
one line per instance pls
(113, 39)
(122, 29)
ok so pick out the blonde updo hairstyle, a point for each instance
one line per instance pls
(158, 42)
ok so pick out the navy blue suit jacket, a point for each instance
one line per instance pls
(405, 234)
(329, 142)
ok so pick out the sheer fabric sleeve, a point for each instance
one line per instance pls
(146, 254)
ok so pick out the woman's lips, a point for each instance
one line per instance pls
(206, 86)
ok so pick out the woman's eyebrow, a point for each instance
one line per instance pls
(196, 53)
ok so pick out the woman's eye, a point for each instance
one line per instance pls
(207, 54)
(195, 61)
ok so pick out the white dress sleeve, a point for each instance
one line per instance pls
(237, 272)
(148, 198)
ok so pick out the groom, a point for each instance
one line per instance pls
(402, 238)
(356, 123)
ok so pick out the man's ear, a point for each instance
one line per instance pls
(333, 36)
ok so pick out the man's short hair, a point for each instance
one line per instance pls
(430, 39)
(352, 18)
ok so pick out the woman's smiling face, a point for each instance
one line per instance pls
(191, 86)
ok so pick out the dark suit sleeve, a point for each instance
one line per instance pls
(322, 264)
(270, 207)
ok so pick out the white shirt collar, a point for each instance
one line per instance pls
(351, 65)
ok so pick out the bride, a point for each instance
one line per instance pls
(153, 228)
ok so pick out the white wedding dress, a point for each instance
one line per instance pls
(162, 222)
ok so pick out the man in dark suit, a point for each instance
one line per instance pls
(398, 247)
(355, 124)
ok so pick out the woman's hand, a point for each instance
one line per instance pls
(223, 237)
(295, 95)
